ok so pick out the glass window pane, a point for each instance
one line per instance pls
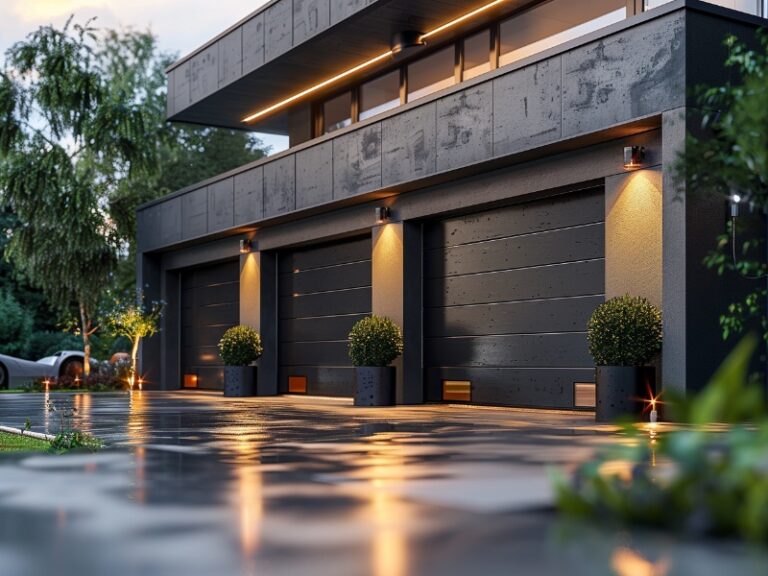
(553, 23)
(431, 74)
(380, 95)
(337, 112)
(477, 54)
(748, 6)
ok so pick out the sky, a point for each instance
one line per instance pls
(180, 25)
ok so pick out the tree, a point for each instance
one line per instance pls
(65, 136)
(730, 159)
(135, 321)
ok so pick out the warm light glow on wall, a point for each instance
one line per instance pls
(368, 63)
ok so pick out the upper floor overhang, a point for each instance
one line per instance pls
(290, 45)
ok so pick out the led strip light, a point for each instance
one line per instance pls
(367, 64)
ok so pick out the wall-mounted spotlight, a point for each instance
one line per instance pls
(634, 157)
(403, 43)
(245, 246)
(382, 214)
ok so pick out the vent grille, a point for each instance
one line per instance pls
(297, 384)
(584, 395)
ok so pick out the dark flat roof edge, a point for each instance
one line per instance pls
(656, 13)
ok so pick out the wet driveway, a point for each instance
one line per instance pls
(193, 484)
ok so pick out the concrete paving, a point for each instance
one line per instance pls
(195, 484)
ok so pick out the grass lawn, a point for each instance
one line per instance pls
(14, 443)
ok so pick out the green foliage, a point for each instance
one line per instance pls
(697, 479)
(16, 443)
(730, 156)
(135, 321)
(240, 346)
(375, 341)
(75, 440)
(41, 344)
(625, 331)
(15, 325)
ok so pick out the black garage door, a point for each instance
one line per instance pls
(323, 292)
(210, 304)
(508, 293)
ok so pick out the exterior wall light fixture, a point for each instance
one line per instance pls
(403, 43)
(634, 157)
(245, 246)
(382, 214)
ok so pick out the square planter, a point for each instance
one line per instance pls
(623, 391)
(375, 386)
(240, 381)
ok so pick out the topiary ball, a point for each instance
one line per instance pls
(625, 331)
(240, 346)
(375, 341)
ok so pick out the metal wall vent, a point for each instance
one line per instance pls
(584, 395)
(457, 391)
(297, 384)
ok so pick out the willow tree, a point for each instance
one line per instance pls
(66, 134)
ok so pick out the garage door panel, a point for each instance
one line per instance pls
(355, 301)
(527, 317)
(558, 281)
(518, 350)
(329, 255)
(531, 388)
(213, 274)
(321, 381)
(551, 214)
(323, 291)
(228, 313)
(552, 247)
(314, 354)
(318, 329)
(217, 294)
(344, 276)
(210, 305)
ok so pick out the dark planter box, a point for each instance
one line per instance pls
(239, 381)
(623, 391)
(374, 386)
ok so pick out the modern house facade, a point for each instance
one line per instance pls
(457, 166)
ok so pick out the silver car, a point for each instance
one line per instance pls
(17, 373)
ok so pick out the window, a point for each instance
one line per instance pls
(748, 6)
(337, 112)
(432, 73)
(380, 95)
(553, 23)
(477, 55)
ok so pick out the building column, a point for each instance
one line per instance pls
(150, 351)
(397, 294)
(259, 309)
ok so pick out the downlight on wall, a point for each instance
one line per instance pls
(245, 246)
(382, 214)
(634, 157)
(421, 40)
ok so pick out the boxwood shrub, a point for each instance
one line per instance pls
(624, 331)
(240, 346)
(375, 341)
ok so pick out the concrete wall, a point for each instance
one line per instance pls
(581, 90)
(265, 35)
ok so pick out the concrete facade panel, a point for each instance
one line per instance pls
(309, 18)
(357, 162)
(409, 143)
(629, 75)
(527, 108)
(341, 9)
(204, 76)
(231, 57)
(280, 186)
(249, 196)
(253, 43)
(181, 87)
(314, 175)
(194, 213)
(465, 127)
(278, 29)
(221, 205)
(170, 222)
(170, 101)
